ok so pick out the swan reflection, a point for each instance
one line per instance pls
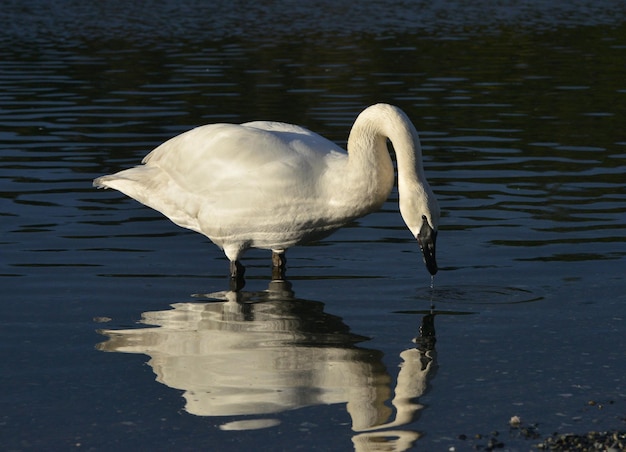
(265, 353)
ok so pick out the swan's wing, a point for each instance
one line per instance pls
(219, 159)
(225, 179)
(273, 126)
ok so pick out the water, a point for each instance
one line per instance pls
(521, 112)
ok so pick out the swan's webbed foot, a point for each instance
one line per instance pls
(279, 265)
(237, 271)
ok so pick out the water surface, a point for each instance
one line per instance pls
(521, 111)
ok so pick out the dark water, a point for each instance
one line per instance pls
(521, 109)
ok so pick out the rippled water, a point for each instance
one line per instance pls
(521, 110)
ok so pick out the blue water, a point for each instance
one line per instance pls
(116, 327)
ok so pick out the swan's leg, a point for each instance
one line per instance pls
(237, 281)
(279, 265)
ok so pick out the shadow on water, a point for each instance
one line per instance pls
(263, 353)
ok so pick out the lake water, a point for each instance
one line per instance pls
(116, 328)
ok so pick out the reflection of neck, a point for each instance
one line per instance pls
(412, 383)
(383, 441)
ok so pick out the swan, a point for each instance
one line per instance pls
(272, 185)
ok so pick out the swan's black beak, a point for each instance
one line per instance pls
(427, 237)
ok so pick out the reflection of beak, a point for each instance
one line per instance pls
(426, 239)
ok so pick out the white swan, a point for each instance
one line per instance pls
(271, 185)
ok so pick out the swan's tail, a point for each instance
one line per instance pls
(138, 183)
(152, 187)
(134, 182)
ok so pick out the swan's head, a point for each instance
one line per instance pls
(421, 215)
(427, 238)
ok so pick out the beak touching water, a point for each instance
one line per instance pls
(426, 238)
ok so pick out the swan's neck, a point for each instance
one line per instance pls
(369, 155)
(370, 172)
(369, 159)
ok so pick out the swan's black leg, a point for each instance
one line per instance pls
(237, 281)
(279, 265)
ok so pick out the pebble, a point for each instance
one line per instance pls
(610, 441)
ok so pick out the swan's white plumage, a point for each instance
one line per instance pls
(273, 185)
